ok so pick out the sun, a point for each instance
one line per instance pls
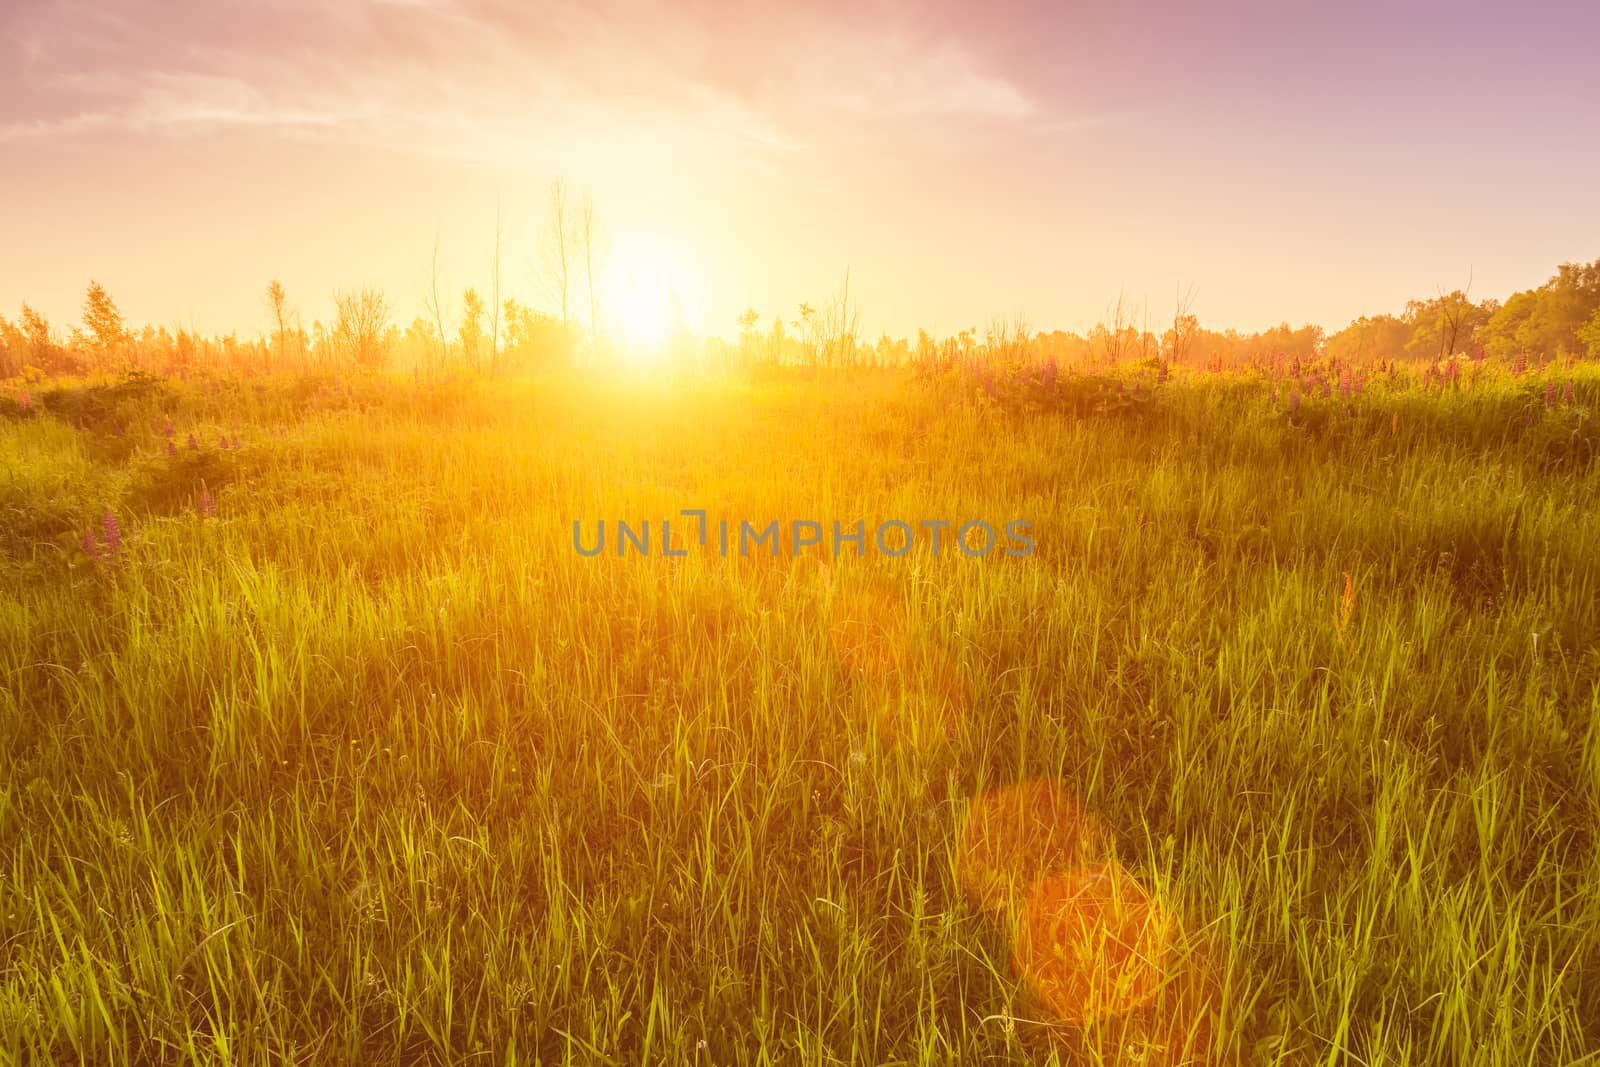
(645, 285)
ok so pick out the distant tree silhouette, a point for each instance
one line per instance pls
(278, 303)
(104, 323)
(494, 298)
(361, 327)
(472, 329)
(433, 305)
(560, 247)
(588, 239)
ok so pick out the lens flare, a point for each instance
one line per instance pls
(1013, 837)
(1091, 943)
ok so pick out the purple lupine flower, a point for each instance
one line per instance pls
(1521, 366)
(1567, 394)
(25, 401)
(193, 444)
(1550, 394)
(172, 447)
(207, 506)
(90, 547)
(1161, 373)
(169, 430)
(1345, 384)
(112, 531)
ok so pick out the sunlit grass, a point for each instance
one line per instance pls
(373, 767)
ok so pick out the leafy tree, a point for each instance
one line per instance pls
(1589, 335)
(533, 339)
(103, 321)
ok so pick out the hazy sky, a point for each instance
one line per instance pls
(964, 160)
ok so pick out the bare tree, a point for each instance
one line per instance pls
(1118, 321)
(360, 326)
(1006, 339)
(588, 237)
(1185, 327)
(494, 298)
(559, 251)
(433, 305)
(839, 327)
(810, 330)
(278, 304)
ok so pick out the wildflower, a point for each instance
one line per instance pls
(90, 547)
(1345, 384)
(193, 444)
(207, 506)
(1347, 604)
(1550, 394)
(25, 401)
(1521, 366)
(1161, 374)
(112, 530)
(1566, 396)
(169, 430)
(172, 448)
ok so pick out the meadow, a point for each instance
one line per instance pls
(322, 744)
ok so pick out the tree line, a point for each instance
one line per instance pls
(493, 335)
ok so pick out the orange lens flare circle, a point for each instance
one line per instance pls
(1092, 944)
(1013, 837)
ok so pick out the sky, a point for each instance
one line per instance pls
(962, 161)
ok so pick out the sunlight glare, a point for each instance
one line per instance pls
(646, 283)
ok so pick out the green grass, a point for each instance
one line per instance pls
(375, 768)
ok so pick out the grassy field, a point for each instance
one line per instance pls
(370, 765)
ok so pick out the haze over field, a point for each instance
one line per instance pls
(1038, 535)
(1295, 163)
